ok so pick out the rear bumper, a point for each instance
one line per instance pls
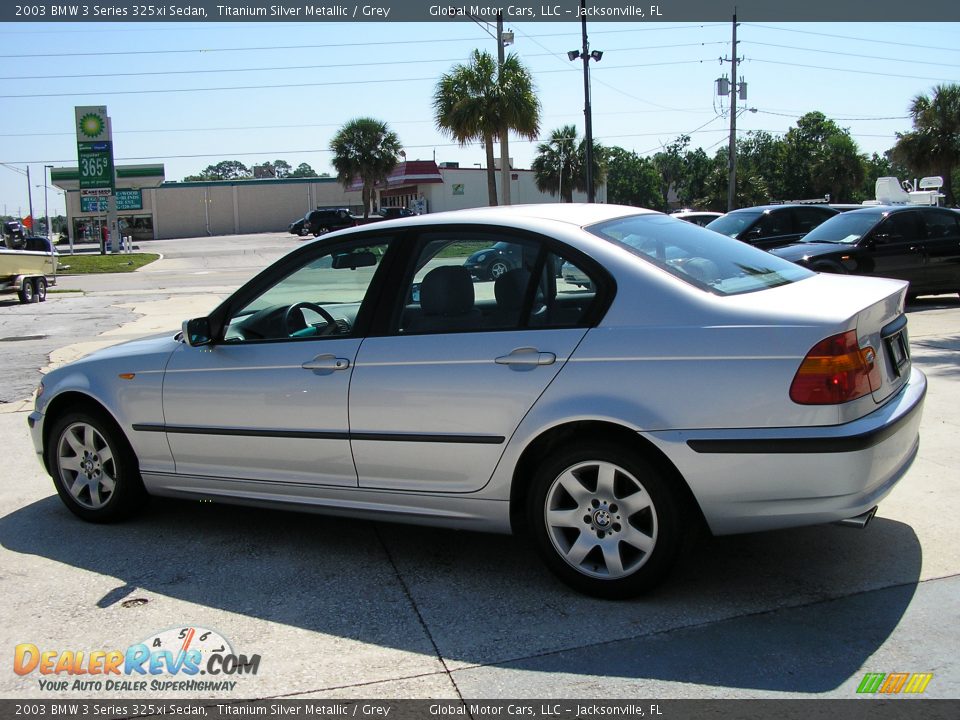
(766, 478)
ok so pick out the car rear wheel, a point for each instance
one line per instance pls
(93, 468)
(605, 520)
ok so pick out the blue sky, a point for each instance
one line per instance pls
(166, 86)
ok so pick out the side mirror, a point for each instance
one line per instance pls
(197, 332)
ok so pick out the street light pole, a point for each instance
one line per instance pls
(587, 111)
(30, 199)
(504, 129)
(46, 207)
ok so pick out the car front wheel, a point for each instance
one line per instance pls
(605, 520)
(93, 468)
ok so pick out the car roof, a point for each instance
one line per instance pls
(577, 214)
(778, 206)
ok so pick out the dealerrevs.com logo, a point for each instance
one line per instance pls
(179, 659)
(894, 683)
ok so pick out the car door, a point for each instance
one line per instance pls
(894, 249)
(267, 401)
(942, 249)
(436, 398)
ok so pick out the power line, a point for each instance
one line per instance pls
(324, 66)
(856, 55)
(848, 37)
(274, 86)
(848, 70)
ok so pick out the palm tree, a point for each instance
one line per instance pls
(934, 143)
(479, 101)
(554, 165)
(365, 149)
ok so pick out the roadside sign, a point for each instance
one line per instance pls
(94, 147)
(96, 164)
(92, 201)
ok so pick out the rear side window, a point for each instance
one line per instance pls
(699, 257)
(942, 224)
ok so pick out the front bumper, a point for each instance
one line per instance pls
(767, 478)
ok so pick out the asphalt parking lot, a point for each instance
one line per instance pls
(342, 608)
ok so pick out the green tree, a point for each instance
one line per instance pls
(632, 180)
(303, 171)
(223, 170)
(599, 155)
(751, 189)
(838, 169)
(479, 101)
(367, 150)
(934, 144)
(554, 165)
(670, 165)
(820, 157)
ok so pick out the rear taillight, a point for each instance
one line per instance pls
(835, 371)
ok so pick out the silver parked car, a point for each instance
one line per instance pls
(697, 382)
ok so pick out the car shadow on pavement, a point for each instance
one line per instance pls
(799, 610)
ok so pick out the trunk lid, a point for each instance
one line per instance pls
(882, 325)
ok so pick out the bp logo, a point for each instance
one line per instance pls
(91, 125)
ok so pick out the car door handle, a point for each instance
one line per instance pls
(326, 362)
(527, 357)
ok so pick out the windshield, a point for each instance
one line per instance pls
(699, 257)
(846, 228)
(732, 224)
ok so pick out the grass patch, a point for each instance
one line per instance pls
(92, 263)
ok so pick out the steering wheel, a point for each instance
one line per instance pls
(300, 306)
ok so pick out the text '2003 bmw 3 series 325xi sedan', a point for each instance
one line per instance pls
(694, 381)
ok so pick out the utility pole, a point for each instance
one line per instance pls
(732, 184)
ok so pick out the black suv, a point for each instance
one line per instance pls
(919, 244)
(324, 220)
(770, 226)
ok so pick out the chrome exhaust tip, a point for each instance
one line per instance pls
(860, 521)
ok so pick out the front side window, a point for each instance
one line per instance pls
(320, 298)
(697, 256)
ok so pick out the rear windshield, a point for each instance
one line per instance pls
(844, 228)
(698, 256)
(732, 224)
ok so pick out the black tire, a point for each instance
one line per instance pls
(27, 292)
(593, 507)
(41, 289)
(105, 485)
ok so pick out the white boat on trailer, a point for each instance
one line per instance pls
(28, 273)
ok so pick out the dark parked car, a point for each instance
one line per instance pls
(919, 244)
(298, 227)
(492, 262)
(392, 213)
(770, 226)
(324, 220)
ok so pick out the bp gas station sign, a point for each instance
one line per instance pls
(94, 148)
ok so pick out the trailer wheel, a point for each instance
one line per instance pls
(41, 289)
(26, 292)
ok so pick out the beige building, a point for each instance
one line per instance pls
(150, 208)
